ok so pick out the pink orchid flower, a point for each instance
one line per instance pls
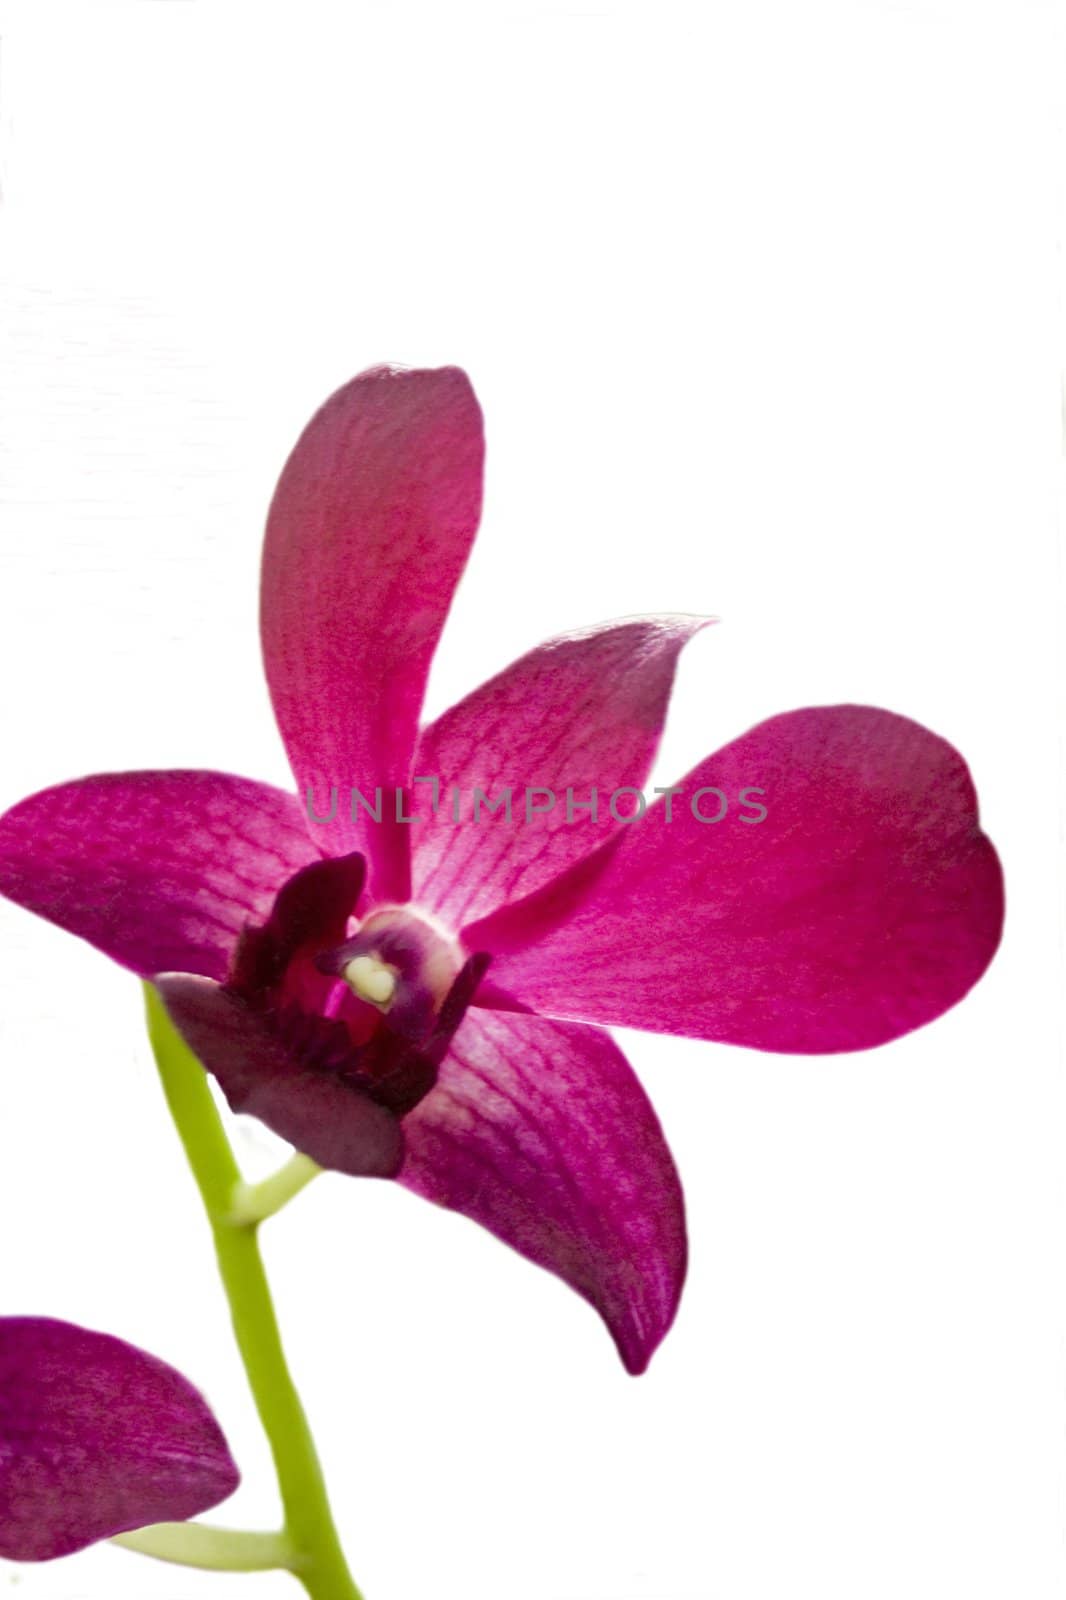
(332, 974)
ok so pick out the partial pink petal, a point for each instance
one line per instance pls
(97, 1437)
(317, 1111)
(865, 903)
(159, 870)
(580, 713)
(541, 1132)
(367, 535)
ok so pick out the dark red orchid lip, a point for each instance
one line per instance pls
(334, 1079)
(865, 904)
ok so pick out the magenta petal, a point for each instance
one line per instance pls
(367, 535)
(159, 870)
(541, 1132)
(316, 1111)
(581, 712)
(97, 1437)
(865, 903)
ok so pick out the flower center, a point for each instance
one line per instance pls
(379, 1006)
(402, 962)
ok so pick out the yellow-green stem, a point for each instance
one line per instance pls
(195, 1544)
(310, 1533)
(255, 1202)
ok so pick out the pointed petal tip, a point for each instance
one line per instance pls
(679, 624)
(637, 1351)
(542, 1133)
(581, 715)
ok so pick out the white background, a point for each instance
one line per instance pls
(760, 302)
